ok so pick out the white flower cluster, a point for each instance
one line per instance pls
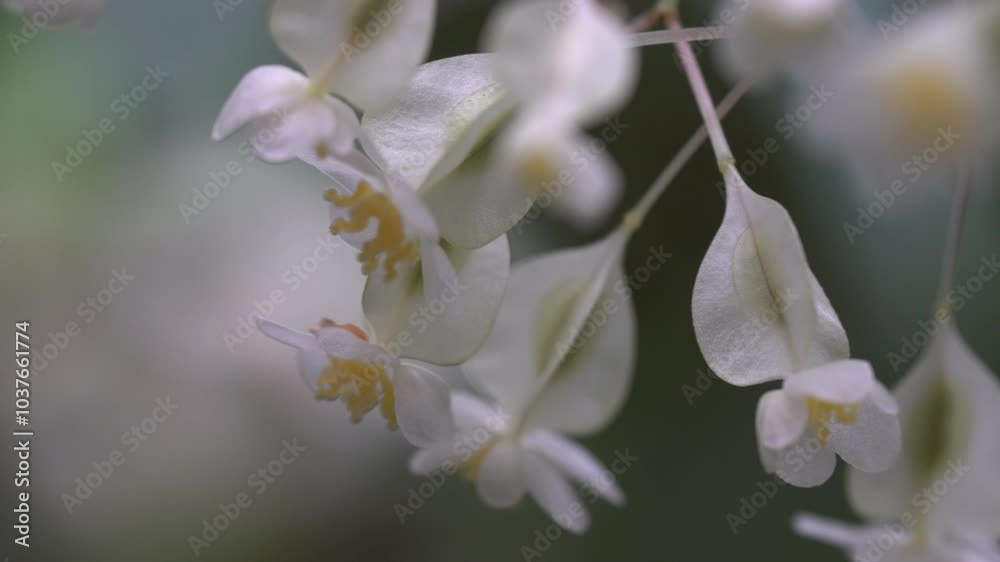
(432, 164)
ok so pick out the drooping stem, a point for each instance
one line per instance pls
(960, 202)
(701, 95)
(667, 36)
(681, 158)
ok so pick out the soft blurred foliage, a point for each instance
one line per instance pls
(162, 336)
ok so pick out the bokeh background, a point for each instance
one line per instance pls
(196, 279)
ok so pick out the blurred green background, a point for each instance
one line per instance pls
(162, 336)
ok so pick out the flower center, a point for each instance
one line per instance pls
(821, 413)
(389, 243)
(535, 167)
(470, 467)
(360, 385)
(925, 99)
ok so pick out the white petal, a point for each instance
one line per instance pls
(364, 50)
(311, 127)
(266, 91)
(447, 109)
(873, 442)
(287, 336)
(835, 533)
(563, 343)
(781, 419)
(455, 322)
(471, 413)
(436, 271)
(542, 53)
(839, 382)
(576, 462)
(806, 463)
(501, 482)
(343, 343)
(554, 494)
(423, 406)
(759, 313)
(595, 189)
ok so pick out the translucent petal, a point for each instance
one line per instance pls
(553, 493)
(759, 313)
(266, 91)
(873, 442)
(562, 350)
(806, 463)
(501, 482)
(423, 406)
(846, 381)
(781, 419)
(576, 462)
(450, 327)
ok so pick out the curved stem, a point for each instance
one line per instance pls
(677, 163)
(960, 203)
(702, 96)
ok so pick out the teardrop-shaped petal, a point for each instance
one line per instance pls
(562, 351)
(363, 50)
(759, 313)
(309, 128)
(500, 481)
(311, 358)
(781, 419)
(576, 462)
(265, 91)
(806, 463)
(449, 327)
(450, 107)
(553, 493)
(423, 405)
(948, 413)
(546, 51)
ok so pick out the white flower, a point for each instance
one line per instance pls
(51, 12)
(566, 69)
(837, 407)
(434, 299)
(759, 315)
(792, 36)
(940, 500)
(360, 51)
(506, 467)
(948, 411)
(338, 362)
(559, 360)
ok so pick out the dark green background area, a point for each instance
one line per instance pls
(697, 456)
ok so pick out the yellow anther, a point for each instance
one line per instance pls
(821, 413)
(322, 150)
(360, 385)
(534, 168)
(389, 241)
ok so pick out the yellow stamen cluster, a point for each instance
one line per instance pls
(924, 100)
(389, 241)
(360, 385)
(534, 168)
(821, 413)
